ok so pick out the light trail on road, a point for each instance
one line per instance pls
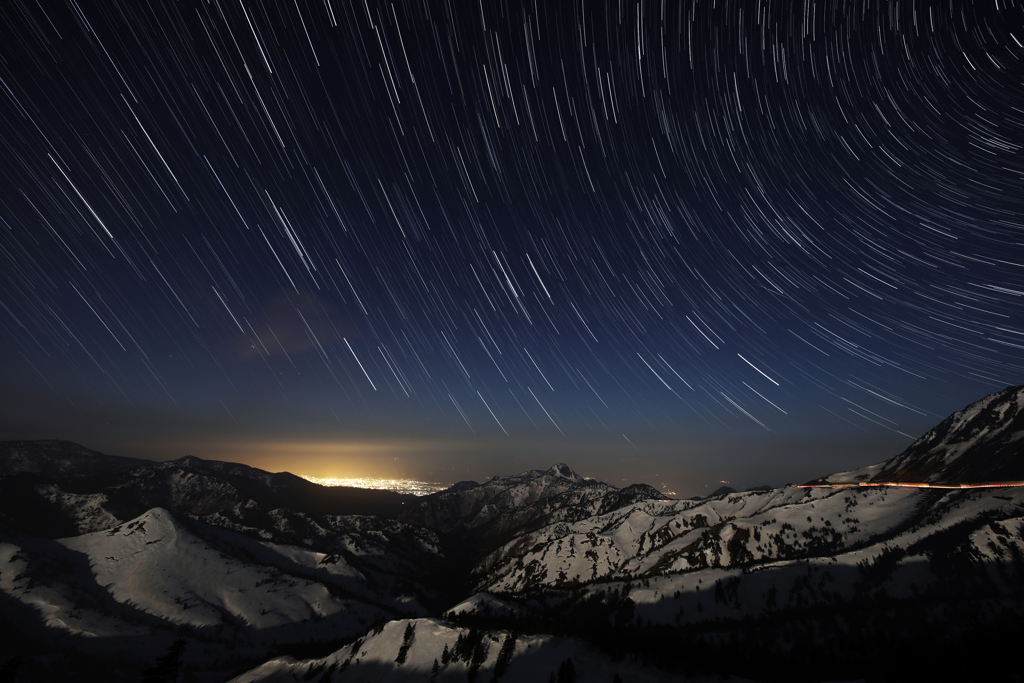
(910, 485)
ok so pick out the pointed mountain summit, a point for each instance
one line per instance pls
(721, 491)
(490, 513)
(560, 469)
(558, 474)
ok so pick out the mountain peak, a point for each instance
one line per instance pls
(981, 442)
(721, 491)
(560, 469)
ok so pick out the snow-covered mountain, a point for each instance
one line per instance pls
(231, 554)
(759, 584)
(136, 584)
(531, 658)
(662, 541)
(982, 442)
(502, 507)
(60, 459)
(666, 545)
(216, 567)
(55, 488)
(762, 583)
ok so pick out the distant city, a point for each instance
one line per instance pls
(416, 488)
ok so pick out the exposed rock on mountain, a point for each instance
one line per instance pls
(982, 442)
(233, 566)
(490, 513)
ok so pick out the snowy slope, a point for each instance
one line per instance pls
(55, 600)
(89, 512)
(866, 473)
(657, 537)
(156, 564)
(982, 442)
(158, 572)
(492, 512)
(373, 658)
(975, 535)
(39, 481)
(673, 545)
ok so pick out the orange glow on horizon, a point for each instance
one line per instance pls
(364, 459)
(416, 488)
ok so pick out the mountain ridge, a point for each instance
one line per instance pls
(488, 514)
(57, 456)
(756, 583)
(982, 442)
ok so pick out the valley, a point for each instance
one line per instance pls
(129, 569)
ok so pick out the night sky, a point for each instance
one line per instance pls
(661, 242)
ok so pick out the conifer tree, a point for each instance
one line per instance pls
(410, 630)
(460, 644)
(567, 672)
(504, 656)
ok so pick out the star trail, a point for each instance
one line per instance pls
(748, 240)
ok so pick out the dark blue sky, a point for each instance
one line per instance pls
(659, 241)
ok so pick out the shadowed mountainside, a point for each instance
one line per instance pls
(489, 514)
(234, 566)
(57, 488)
(982, 442)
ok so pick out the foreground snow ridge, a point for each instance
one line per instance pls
(533, 658)
(160, 567)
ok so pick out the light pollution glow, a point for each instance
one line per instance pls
(416, 488)
(362, 460)
(430, 458)
(408, 465)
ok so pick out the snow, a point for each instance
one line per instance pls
(88, 511)
(857, 475)
(485, 602)
(984, 423)
(677, 546)
(156, 564)
(373, 658)
(277, 575)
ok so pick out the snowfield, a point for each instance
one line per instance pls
(669, 557)
(373, 658)
(157, 565)
(238, 566)
(654, 537)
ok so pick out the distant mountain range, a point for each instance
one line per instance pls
(123, 569)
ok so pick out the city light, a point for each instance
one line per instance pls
(410, 486)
